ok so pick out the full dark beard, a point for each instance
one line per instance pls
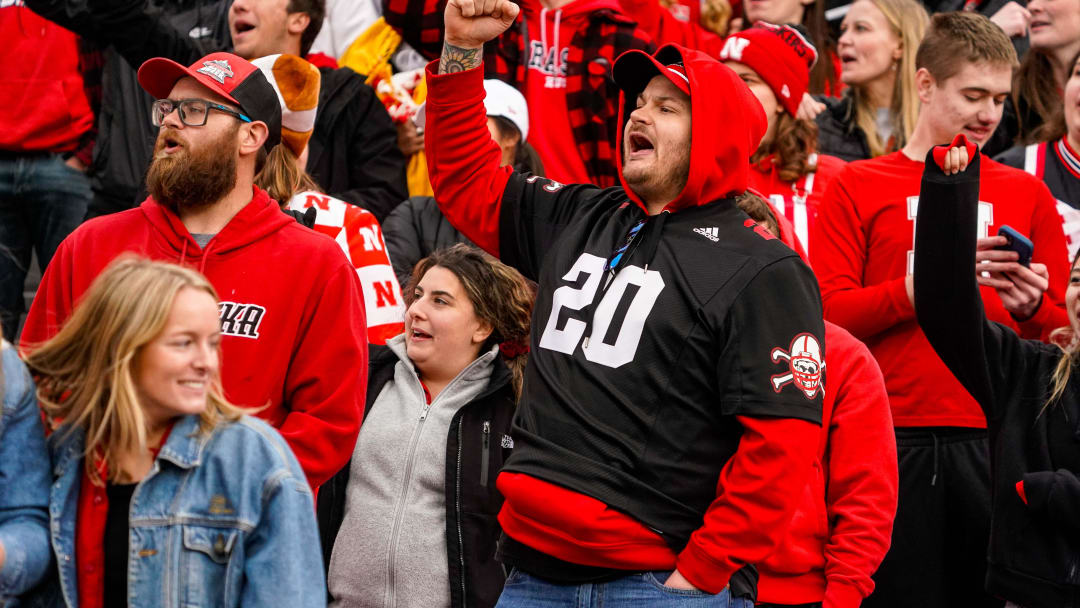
(193, 178)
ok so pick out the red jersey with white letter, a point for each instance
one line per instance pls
(358, 233)
(797, 200)
(863, 249)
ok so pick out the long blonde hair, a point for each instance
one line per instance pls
(908, 20)
(85, 373)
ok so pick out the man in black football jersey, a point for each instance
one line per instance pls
(673, 395)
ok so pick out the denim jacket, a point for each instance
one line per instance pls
(24, 481)
(224, 518)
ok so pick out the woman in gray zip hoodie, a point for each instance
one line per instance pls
(437, 421)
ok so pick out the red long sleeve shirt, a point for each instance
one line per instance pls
(864, 248)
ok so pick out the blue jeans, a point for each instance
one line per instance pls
(526, 591)
(41, 201)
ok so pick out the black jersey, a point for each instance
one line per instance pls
(1059, 167)
(637, 371)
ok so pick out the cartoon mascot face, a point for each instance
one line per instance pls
(804, 365)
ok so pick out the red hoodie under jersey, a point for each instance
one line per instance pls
(843, 525)
(43, 106)
(548, 44)
(294, 338)
(864, 247)
(758, 487)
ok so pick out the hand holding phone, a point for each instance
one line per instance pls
(1017, 242)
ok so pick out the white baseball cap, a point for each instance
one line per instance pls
(501, 100)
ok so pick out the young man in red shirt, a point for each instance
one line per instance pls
(863, 256)
(292, 315)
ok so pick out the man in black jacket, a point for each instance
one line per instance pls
(353, 152)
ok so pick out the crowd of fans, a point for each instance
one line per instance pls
(624, 303)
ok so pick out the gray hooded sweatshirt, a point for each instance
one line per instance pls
(391, 548)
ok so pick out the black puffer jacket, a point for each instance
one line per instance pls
(413, 231)
(837, 133)
(477, 444)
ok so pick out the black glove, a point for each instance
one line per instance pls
(306, 218)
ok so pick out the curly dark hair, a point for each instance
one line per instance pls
(793, 143)
(499, 295)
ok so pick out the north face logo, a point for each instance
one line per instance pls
(218, 69)
(713, 234)
(241, 320)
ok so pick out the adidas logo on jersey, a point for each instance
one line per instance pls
(713, 234)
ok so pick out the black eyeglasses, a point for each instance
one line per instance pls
(193, 112)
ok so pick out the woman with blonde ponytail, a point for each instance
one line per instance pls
(164, 493)
(413, 515)
(1028, 389)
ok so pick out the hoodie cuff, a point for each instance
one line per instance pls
(459, 87)
(841, 595)
(701, 570)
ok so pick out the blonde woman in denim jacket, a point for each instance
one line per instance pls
(24, 481)
(165, 494)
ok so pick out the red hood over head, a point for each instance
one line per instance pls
(727, 120)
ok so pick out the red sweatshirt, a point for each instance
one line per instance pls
(757, 488)
(294, 338)
(798, 201)
(666, 28)
(863, 249)
(550, 35)
(43, 106)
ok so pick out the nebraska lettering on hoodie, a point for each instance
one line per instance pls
(292, 316)
(693, 456)
(864, 248)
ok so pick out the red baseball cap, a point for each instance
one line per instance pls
(232, 77)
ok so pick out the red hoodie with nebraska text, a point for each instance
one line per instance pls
(292, 316)
(864, 248)
(663, 423)
(551, 32)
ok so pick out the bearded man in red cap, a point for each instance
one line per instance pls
(674, 390)
(292, 316)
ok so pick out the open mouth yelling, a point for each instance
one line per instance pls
(242, 26)
(640, 145)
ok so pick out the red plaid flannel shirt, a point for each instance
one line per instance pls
(592, 98)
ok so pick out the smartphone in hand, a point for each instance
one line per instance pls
(1018, 243)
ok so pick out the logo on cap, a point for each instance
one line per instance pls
(218, 69)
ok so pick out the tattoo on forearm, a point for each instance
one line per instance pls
(456, 59)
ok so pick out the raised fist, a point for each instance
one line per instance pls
(471, 23)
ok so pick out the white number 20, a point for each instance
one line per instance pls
(647, 286)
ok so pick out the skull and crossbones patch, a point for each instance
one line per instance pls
(804, 365)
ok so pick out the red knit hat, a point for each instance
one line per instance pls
(780, 54)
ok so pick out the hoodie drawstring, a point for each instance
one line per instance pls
(543, 38)
(933, 478)
(183, 252)
(205, 257)
(653, 227)
(558, 51)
